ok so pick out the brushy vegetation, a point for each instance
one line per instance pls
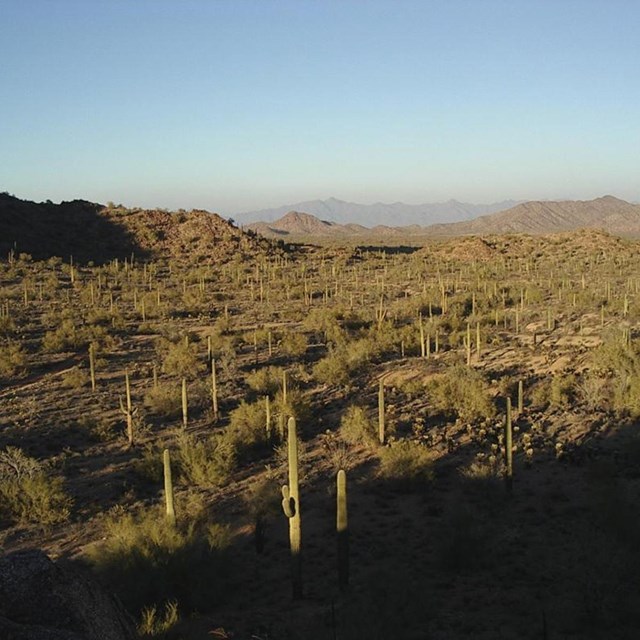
(28, 493)
(407, 464)
(148, 561)
(463, 392)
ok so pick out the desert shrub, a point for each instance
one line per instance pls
(293, 344)
(340, 365)
(263, 497)
(153, 624)
(147, 562)
(247, 426)
(357, 428)
(164, 400)
(150, 465)
(297, 405)
(406, 463)
(337, 452)
(75, 378)
(334, 369)
(180, 358)
(562, 390)
(592, 391)
(617, 366)
(461, 391)
(205, 462)
(265, 381)
(13, 360)
(28, 493)
(7, 325)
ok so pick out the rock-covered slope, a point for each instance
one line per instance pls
(607, 213)
(91, 231)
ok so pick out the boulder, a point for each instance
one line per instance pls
(45, 600)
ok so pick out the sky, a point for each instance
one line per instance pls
(233, 105)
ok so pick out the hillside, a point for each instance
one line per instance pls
(607, 213)
(297, 223)
(536, 217)
(92, 231)
(378, 213)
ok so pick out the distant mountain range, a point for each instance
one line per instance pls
(370, 215)
(608, 213)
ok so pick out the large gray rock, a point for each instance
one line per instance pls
(43, 600)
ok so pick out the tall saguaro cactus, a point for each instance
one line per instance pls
(92, 365)
(508, 446)
(168, 487)
(342, 530)
(291, 508)
(381, 412)
(185, 404)
(214, 389)
(128, 410)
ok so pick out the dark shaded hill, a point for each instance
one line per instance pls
(93, 232)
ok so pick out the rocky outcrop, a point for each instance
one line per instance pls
(45, 600)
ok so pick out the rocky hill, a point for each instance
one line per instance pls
(296, 223)
(606, 213)
(536, 217)
(90, 231)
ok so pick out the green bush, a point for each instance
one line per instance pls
(75, 378)
(13, 360)
(406, 463)
(463, 392)
(205, 462)
(265, 381)
(294, 344)
(147, 562)
(164, 400)
(28, 494)
(357, 428)
(180, 359)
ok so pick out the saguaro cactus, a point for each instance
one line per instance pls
(185, 404)
(291, 508)
(508, 446)
(214, 389)
(128, 410)
(92, 365)
(168, 487)
(520, 396)
(381, 412)
(342, 530)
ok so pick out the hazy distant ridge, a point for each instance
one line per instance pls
(608, 213)
(370, 215)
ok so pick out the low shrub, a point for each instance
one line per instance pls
(147, 562)
(406, 463)
(205, 462)
(28, 493)
(13, 360)
(463, 392)
(357, 428)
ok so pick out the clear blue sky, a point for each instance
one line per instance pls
(232, 105)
